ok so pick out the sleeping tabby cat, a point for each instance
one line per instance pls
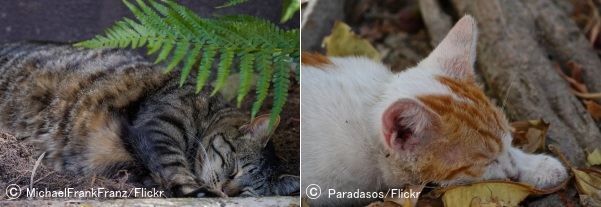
(100, 111)
(365, 128)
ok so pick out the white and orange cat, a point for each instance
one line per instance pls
(366, 128)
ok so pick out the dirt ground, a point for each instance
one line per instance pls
(17, 161)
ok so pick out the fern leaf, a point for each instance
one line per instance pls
(176, 22)
(231, 3)
(165, 50)
(264, 66)
(246, 75)
(178, 34)
(281, 82)
(288, 9)
(154, 46)
(178, 55)
(187, 68)
(223, 70)
(204, 69)
(153, 19)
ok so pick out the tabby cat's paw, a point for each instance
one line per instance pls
(190, 190)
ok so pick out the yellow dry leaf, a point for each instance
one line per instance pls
(344, 42)
(594, 158)
(588, 182)
(485, 193)
(529, 135)
(490, 193)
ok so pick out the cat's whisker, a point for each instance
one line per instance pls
(515, 74)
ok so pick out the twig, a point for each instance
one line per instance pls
(587, 95)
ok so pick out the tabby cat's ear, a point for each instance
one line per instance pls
(456, 53)
(257, 128)
(407, 125)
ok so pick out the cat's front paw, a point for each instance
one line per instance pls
(191, 190)
(544, 172)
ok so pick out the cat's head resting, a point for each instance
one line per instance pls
(443, 128)
(250, 166)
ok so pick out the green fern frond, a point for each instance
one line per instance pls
(246, 75)
(281, 82)
(204, 70)
(223, 71)
(231, 3)
(187, 68)
(288, 9)
(181, 37)
(265, 71)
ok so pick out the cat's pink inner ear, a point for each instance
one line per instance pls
(257, 128)
(406, 124)
(456, 53)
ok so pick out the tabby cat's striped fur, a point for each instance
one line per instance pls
(103, 110)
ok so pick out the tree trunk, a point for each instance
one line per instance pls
(518, 44)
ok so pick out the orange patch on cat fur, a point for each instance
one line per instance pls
(104, 145)
(315, 60)
(463, 118)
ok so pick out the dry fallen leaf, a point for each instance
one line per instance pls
(594, 158)
(490, 193)
(529, 135)
(588, 181)
(343, 42)
(594, 109)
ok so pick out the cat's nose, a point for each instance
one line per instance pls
(229, 190)
(514, 178)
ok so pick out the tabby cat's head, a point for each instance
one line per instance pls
(244, 163)
(443, 128)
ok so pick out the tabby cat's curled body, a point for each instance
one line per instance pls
(100, 111)
(365, 128)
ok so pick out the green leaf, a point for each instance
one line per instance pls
(165, 50)
(231, 3)
(288, 9)
(204, 69)
(281, 82)
(264, 66)
(178, 34)
(223, 70)
(178, 55)
(246, 75)
(190, 60)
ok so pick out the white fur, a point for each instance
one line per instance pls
(342, 144)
